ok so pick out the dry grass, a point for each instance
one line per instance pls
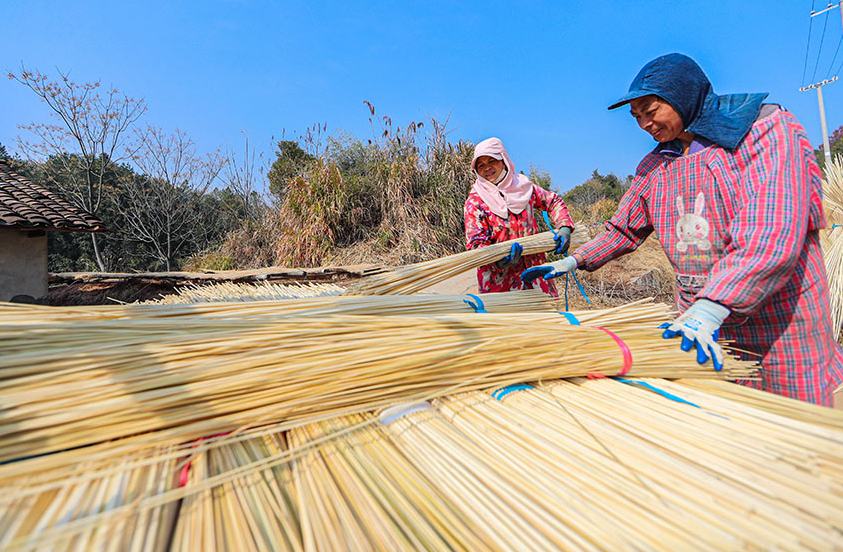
(645, 273)
(397, 199)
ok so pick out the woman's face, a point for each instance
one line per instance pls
(657, 117)
(488, 168)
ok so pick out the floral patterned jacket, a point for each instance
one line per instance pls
(483, 228)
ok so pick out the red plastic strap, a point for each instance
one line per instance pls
(184, 473)
(595, 375)
(627, 354)
(185, 470)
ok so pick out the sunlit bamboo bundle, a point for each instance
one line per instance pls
(231, 291)
(253, 512)
(81, 492)
(570, 465)
(832, 239)
(359, 492)
(191, 379)
(762, 400)
(644, 469)
(416, 277)
(832, 243)
(420, 304)
(640, 314)
(833, 190)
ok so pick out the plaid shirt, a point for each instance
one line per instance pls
(741, 228)
(483, 227)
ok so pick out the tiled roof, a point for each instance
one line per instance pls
(25, 204)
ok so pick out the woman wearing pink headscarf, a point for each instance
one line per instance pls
(504, 205)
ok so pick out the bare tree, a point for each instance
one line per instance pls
(162, 203)
(88, 140)
(244, 179)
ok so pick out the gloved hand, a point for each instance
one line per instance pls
(550, 270)
(513, 256)
(563, 240)
(700, 326)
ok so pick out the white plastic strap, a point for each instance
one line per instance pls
(398, 411)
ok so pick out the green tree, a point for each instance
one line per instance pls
(4, 154)
(836, 143)
(540, 178)
(599, 186)
(291, 160)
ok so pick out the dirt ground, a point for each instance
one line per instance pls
(458, 285)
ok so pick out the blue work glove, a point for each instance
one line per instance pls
(550, 270)
(513, 256)
(700, 326)
(563, 240)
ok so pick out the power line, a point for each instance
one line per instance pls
(837, 51)
(820, 50)
(808, 44)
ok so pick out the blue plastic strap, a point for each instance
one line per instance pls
(833, 226)
(502, 392)
(580, 287)
(656, 390)
(573, 273)
(572, 320)
(475, 303)
(546, 218)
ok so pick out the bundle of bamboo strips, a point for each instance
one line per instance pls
(832, 239)
(252, 512)
(776, 404)
(188, 378)
(512, 302)
(231, 291)
(640, 314)
(88, 489)
(575, 464)
(416, 277)
(644, 466)
(379, 507)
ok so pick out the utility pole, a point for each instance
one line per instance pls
(819, 85)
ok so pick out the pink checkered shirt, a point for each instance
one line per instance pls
(741, 228)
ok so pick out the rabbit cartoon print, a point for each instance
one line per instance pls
(692, 229)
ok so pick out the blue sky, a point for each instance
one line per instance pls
(537, 74)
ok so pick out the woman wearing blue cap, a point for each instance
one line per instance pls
(733, 193)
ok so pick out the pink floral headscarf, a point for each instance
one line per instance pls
(510, 194)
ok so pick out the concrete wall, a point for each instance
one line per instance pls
(23, 263)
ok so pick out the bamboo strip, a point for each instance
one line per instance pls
(413, 278)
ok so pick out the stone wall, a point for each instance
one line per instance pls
(23, 263)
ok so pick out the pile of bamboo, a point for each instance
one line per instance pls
(574, 464)
(231, 291)
(185, 377)
(832, 239)
(768, 402)
(246, 307)
(417, 277)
